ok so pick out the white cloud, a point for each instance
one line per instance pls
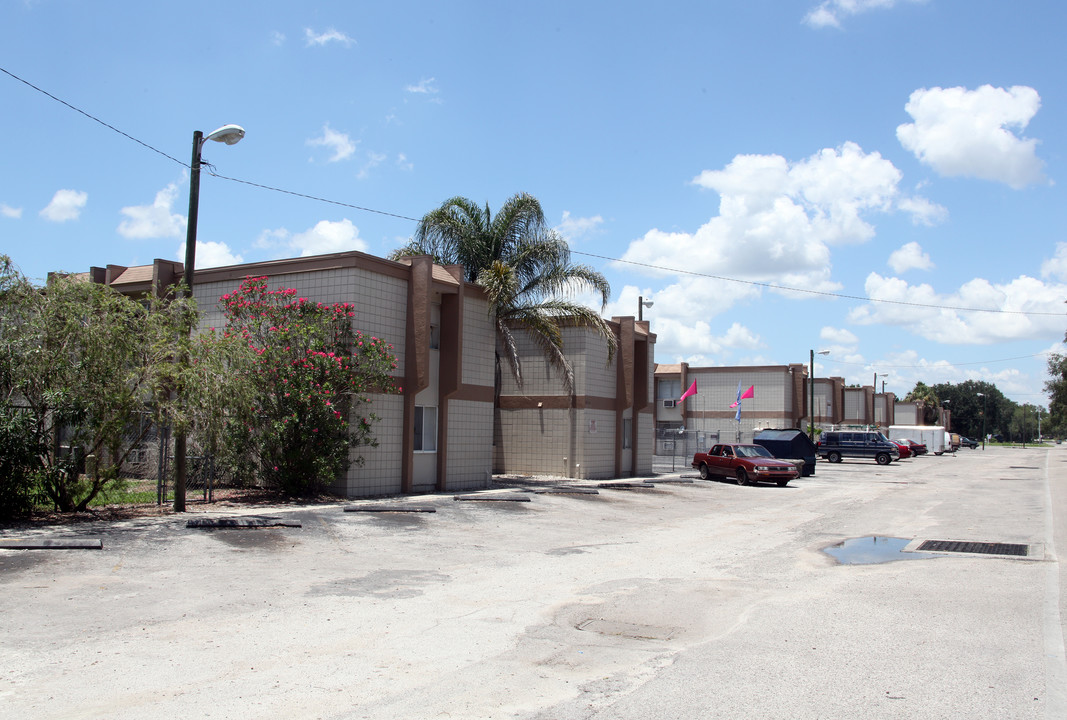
(830, 12)
(969, 133)
(211, 254)
(10, 212)
(840, 336)
(1056, 267)
(277, 38)
(575, 228)
(328, 237)
(329, 36)
(403, 163)
(923, 211)
(910, 257)
(776, 223)
(423, 87)
(66, 205)
(373, 160)
(155, 220)
(340, 143)
(936, 320)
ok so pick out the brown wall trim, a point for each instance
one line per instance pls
(473, 393)
(288, 266)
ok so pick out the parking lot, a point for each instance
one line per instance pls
(676, 598)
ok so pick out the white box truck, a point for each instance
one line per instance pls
(932, 436)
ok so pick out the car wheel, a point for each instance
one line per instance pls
(742, 477)
(783, 483)
(883, 459)
(704, 471)
(834, 457)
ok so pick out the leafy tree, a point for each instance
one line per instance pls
(81, 363)
(1056, 387)
(526, 270)
(309, 373)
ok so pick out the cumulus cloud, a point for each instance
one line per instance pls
(980, 323)
(324, 237)
(10, 212)
(777, 221)
(923, 211)
(575, 228)
(972, 133)
(831, 12)
(910, 257)
(839, 336)
(330, 36)
(211, 254)
(339, 143)
(66, 205)
(1056, 266)
(155, 220)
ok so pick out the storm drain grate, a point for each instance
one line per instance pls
(1024, 467)
(983, 548)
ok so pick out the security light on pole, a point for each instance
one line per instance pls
(811, 393)
(230, 135)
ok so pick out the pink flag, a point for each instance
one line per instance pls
(691, 391)
(743, 395)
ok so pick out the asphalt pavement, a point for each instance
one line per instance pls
(672, 598)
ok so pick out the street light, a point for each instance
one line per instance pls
(811, 394)
(231, 135)
(874, 391)
(641, 305)
(982, 395)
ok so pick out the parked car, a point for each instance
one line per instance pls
(917, 448)
(968, 442)
(871, 444)
(745, 464)
(905, 449)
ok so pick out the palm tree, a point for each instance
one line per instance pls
(924, 394)
(526, 270)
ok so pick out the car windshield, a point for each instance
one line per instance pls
(752, 451)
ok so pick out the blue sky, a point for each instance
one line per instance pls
(770, 172)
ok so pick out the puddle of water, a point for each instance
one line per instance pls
(873, 549)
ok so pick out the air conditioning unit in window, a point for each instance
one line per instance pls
(669, 403)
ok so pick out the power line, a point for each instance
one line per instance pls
(772, 286)
(93, 117)
(312, 197)
(769, 286)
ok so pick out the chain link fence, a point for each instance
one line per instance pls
(146, 475)
(675, 448)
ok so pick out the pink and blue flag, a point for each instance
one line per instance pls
(751, 392)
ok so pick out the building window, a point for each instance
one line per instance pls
(425, 429)
(627, 433)
(668, 389)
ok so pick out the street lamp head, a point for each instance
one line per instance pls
(822, 352)
(229, 134)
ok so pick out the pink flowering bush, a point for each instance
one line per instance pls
(310, 373)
